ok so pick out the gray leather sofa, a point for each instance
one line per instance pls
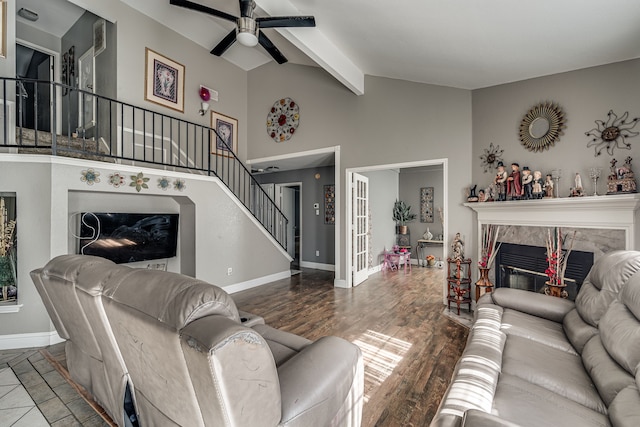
(187, 356)
(535, 360)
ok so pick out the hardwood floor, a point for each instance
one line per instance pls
(409, 347)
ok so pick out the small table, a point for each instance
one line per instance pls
(393, 260)
(420, 248)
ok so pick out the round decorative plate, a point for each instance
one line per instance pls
(282, 120)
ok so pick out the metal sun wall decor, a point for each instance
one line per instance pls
(612, 133)
(542, 126)
(426, 204)
(491, 157)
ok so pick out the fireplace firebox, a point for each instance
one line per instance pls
(523, 267)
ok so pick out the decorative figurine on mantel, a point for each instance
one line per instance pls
(548, 187)
(538, 185)
(577, 191)
(458, 248)
(514, 183)
(527, 183)
(621, 180)
(471, 194)
(501, 182)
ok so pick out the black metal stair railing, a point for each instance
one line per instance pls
(100, 128)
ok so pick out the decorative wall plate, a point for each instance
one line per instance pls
(282, 120)
(542, 126)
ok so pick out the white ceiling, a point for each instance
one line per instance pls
(467, 44)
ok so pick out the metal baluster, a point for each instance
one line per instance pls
(54, 125)
(35, 111)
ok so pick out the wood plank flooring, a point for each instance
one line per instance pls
(409, 347)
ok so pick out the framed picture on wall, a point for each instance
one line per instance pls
(99, 36)
(426, 204)
(227, 138)
(163, 81)
(330, 204)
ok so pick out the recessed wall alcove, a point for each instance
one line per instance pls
(93, 201)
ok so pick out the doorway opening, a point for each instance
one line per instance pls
(33, 100)
(385, 182)
(289, 202)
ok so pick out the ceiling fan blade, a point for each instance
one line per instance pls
(286, 21)
(200, 8)
(224, 44)
(271, 48)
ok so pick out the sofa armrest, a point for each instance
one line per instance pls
(249, 320)
(540, 305)
(477, 418)
(316, 383)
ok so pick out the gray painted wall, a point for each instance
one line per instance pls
(383, 192)
(316, 235)
(411, 180)
(8, 63)
(394, 121)
(38, 37)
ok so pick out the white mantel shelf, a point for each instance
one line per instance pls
(605, 212)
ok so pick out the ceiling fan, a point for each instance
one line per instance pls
(247, 30)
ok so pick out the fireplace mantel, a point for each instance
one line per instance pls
(615, 212)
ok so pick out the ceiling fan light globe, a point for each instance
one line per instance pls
(247, 32)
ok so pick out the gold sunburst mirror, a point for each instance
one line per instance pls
(542, 126)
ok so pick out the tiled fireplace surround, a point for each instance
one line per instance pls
(602, 223)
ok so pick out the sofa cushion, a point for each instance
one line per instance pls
(577, 330)
(625, 408)
(603, 283)
(283, 345)
(530, 405)
(555, 370)
(534, 328)
(620, 334)
(606, 374)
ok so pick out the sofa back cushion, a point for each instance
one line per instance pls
(607, 277)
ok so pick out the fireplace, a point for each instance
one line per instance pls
(522, 267)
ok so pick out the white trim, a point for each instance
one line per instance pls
(254, 283)
(34, 339)
(375, 269)
(13, 308)
(317, 265)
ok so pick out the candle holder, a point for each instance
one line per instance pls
(556, 174)
(594, 174)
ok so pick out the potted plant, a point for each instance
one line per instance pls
(402, 215)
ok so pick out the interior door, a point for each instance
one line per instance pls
(86, 103)
(286, 202)
(360, 227)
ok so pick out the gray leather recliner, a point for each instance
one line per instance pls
(191, 361)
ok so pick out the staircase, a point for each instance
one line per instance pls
(125, 133)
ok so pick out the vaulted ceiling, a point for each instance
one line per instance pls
(467, 44)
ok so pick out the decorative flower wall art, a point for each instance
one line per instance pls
(163, 183)
(90, 176)
(491, 157)
(179, 184)
(139, 182)
(426, 204)
(283, 119)
(612, 133)
(116, 179)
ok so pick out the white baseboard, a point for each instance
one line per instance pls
(35, 339)
(243, 286)
(375, 269)
(317, 266)
(339, 283)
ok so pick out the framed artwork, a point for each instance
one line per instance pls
(3, 30)
(330, 204)
(227, 138)
(163, 81)
(99, 36)
(426, 204)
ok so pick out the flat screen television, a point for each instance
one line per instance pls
(128, 237)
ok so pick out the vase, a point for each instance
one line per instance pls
(556, 289)
(428, 235)
(483, 282)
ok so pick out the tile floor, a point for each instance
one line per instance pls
(34, 394)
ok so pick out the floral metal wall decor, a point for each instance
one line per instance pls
(163, 183)
(491, 157)
(330, 204)
(139, 182)
(542, 126)
(116, 179)
(426, 204)
(612, 133)
(90, 176)
(179, 184)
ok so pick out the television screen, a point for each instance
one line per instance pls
(128, 237)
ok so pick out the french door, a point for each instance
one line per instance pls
(360, 227)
